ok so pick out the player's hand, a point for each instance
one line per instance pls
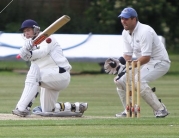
(28, 44)
(25, 54)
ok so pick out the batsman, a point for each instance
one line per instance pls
(49, 72)
(141, 41)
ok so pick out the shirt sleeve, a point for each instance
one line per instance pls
(44, 49)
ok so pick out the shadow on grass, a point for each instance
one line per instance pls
(87, 72)
(173, 73)
(75, 73)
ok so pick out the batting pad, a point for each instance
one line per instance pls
(38, 111)
(31, 87)
(151, 99)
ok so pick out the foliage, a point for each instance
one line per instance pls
(161, 15)
(96, 16)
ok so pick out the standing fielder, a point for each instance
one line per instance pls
(142, 41)
(51, 71)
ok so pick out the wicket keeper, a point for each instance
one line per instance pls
(142, 41)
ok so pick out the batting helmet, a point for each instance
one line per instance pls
(28, 23)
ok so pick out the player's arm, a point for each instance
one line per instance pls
(40, 53)
(144, 59)
(127, 57)
(44, 50)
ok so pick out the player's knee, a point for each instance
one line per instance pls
(143, 87)
(120, 84)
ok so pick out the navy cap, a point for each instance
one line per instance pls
(128, 13)
(28, 23)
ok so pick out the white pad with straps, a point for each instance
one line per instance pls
(38, 111)
(63, 107)
(121, 90)
(31, 87)
(150, 98)
(122, 96)
(63, 110)
(77, 107)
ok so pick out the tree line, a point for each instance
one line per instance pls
(95, 16)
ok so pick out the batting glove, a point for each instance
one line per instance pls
(28, 44)
(25, 54)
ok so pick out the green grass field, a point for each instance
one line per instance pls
(98, 121)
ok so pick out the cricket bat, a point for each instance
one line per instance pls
(50, 30)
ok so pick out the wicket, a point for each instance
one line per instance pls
(130, 105)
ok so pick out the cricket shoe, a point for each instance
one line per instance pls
(37, 110)
(24, 113)
(124, 113)
(121, 115)
(161, 113)
(83, 107)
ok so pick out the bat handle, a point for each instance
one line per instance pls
(18, 57)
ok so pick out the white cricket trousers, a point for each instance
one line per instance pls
(154, 70)
(52, 82)
(148, 73)
(151, 71)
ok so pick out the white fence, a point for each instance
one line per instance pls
(76, 47)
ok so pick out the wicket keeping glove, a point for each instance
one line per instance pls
(114, 66)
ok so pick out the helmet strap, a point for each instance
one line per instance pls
(36, 30)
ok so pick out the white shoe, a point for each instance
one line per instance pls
(83, 107)
(24, 113)
(124, 114)
(37, 110)
(121, 115)
(161, 113)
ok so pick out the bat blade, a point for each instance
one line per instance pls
(50, 30)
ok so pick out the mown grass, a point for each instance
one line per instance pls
(93, 128)
(79, 67)
(98, 121)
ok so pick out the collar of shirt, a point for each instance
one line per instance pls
(137, 26)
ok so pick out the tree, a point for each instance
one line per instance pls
(96, 16)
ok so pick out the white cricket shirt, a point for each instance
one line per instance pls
(50, 55)
(144, 42)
